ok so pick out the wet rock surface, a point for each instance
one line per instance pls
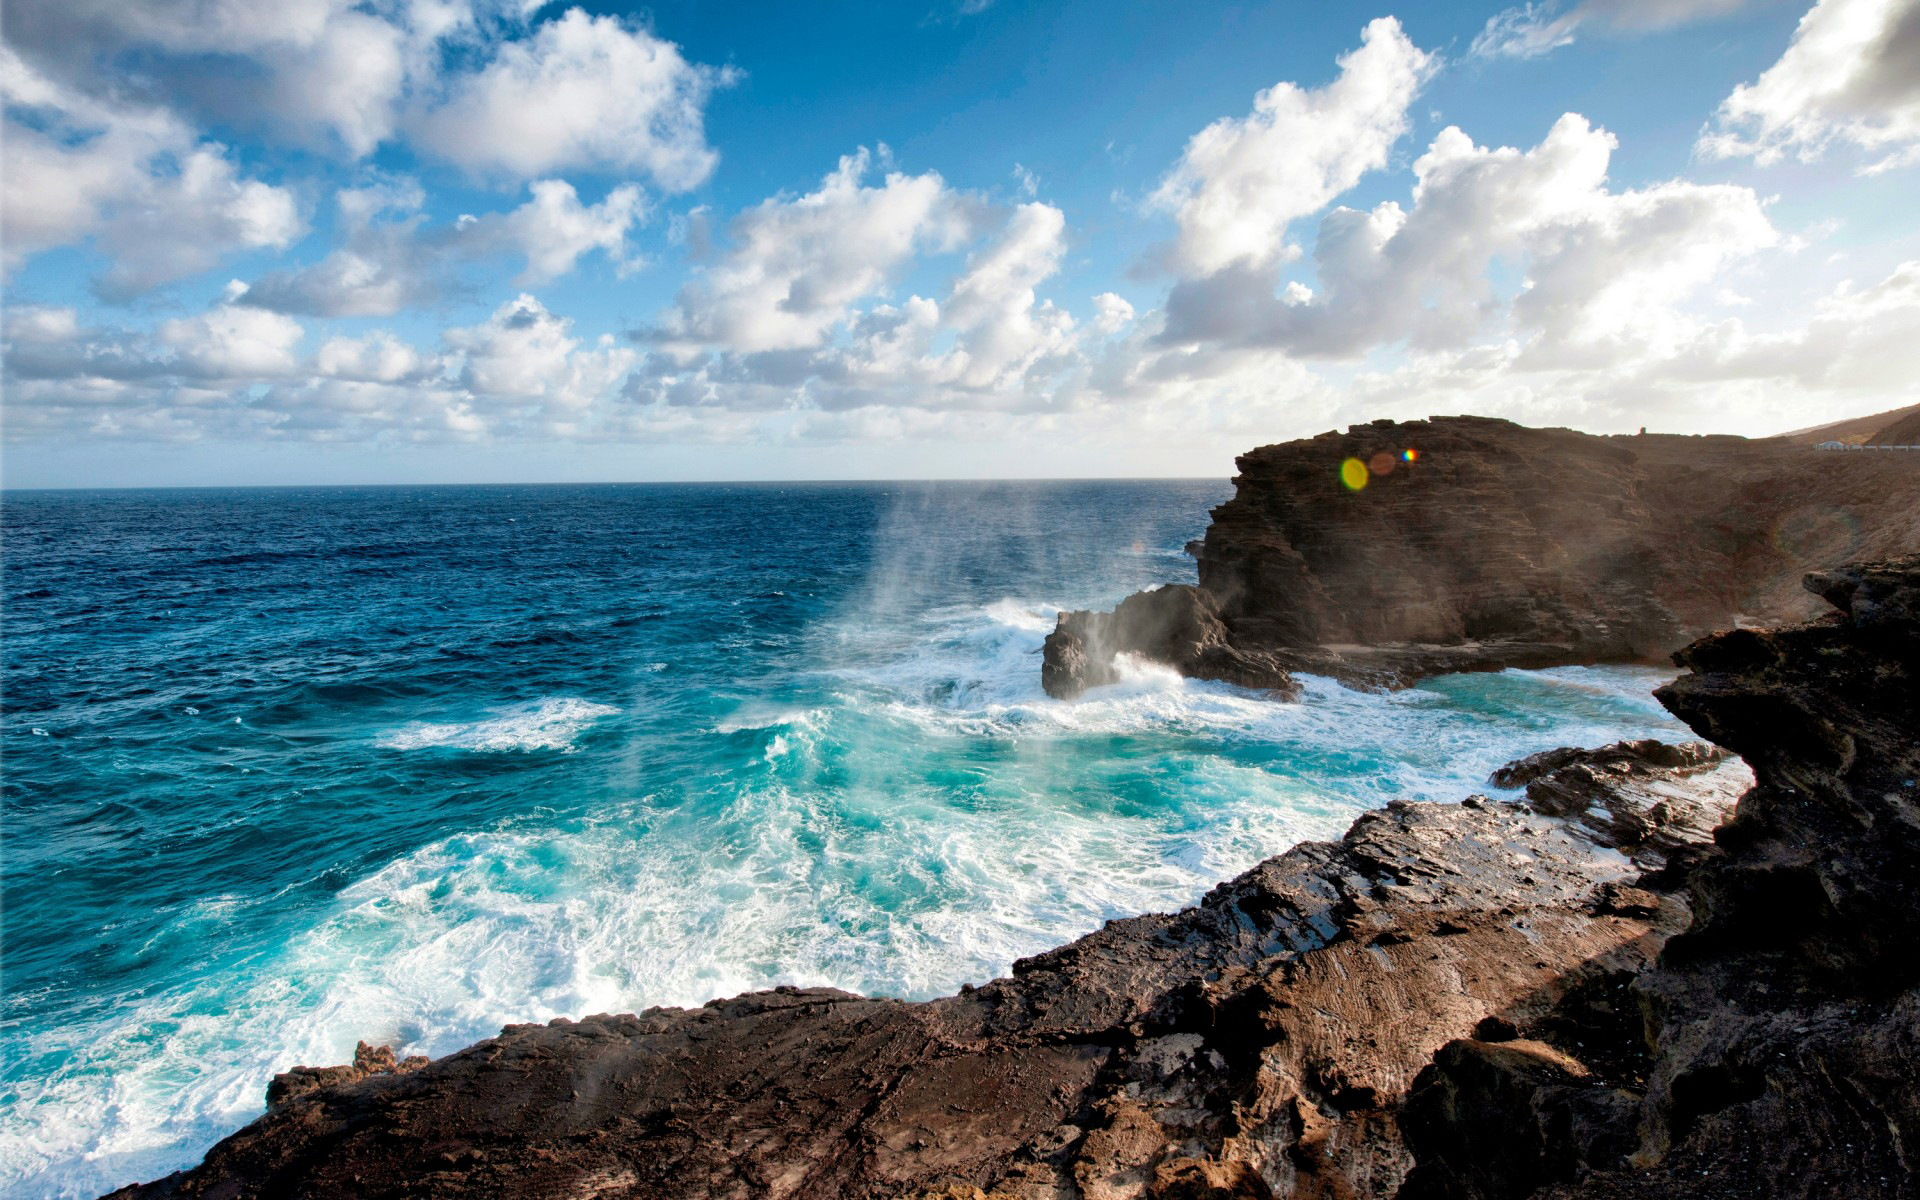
(1502, 546)
(1778, 1036)
(1257, 1044)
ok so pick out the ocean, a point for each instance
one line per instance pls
(285, 769)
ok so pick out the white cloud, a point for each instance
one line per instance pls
(161, 205)
(525, 353)
(331, 74)
(237, 372)
(377, 357)
(1604, 270)
(1003, 330)
(1112, 313)
(312, 68)
(1851, 75)
(1243, 179)
(554, 229)
(792, 315)
(797, 265)
(389, 260)
(582, 92)
(1532, 30)
(229, 342)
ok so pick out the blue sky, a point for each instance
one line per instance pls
(476, 240)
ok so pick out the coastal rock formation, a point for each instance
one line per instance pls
(1780, 1033)
(367, 1060)
(1494, 545)
(1176, 624)
(1567, 997)
(1258, 1044)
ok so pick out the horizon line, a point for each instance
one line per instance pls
(282, 487)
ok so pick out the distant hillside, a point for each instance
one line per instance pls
(1901, 424)
(1904, 432)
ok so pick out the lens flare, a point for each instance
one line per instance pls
(1409, 454)
(1353, 473)
(1381, 463)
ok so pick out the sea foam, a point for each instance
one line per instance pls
(547, 724)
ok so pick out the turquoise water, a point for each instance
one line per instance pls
(285, 769)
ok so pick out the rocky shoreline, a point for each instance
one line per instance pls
(1473, 543)
(1582, 992)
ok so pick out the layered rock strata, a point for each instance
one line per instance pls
(1258, 1044)
(1496, 545)
(1779, 1036)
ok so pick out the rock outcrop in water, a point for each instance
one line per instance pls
(1496, 546)
(1578, 995)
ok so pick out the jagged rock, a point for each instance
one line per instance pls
(1257, 1044)
(367, 1060)
(1176, 624)
(1628, 790)
(1780, 1033)
(1504, 546)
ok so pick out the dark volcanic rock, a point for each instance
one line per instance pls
(1256, 1045)
(367, 1060)
(1781, 1031)
(1500, 545)
(1640, 794)
(1175, 624)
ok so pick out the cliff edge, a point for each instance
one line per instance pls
(1402, 549)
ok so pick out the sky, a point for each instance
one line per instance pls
(328, 241)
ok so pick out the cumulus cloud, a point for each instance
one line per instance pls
(1242, 180)
(797, 264)
(581, 93)
(1532, 30)
(349, 76)
(236, 371)
(794, 314)
(1850, 76)
(1603, 269)
(524, 353)
(105, 101)
(162, 204)
(390, 260)
(315, 69)
(1112, 313)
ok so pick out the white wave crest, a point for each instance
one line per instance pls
(547, 724)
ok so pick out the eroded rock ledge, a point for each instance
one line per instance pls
(1453, 1001)
(1497, 546)
(1781, 1030)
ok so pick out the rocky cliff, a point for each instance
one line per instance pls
(1781, 1031)
(1577, 991)
(1472, 543)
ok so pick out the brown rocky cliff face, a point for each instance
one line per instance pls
(1782, 1029)
(1258, 1044)
(1501, 545)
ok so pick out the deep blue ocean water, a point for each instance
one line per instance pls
(285, 769)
